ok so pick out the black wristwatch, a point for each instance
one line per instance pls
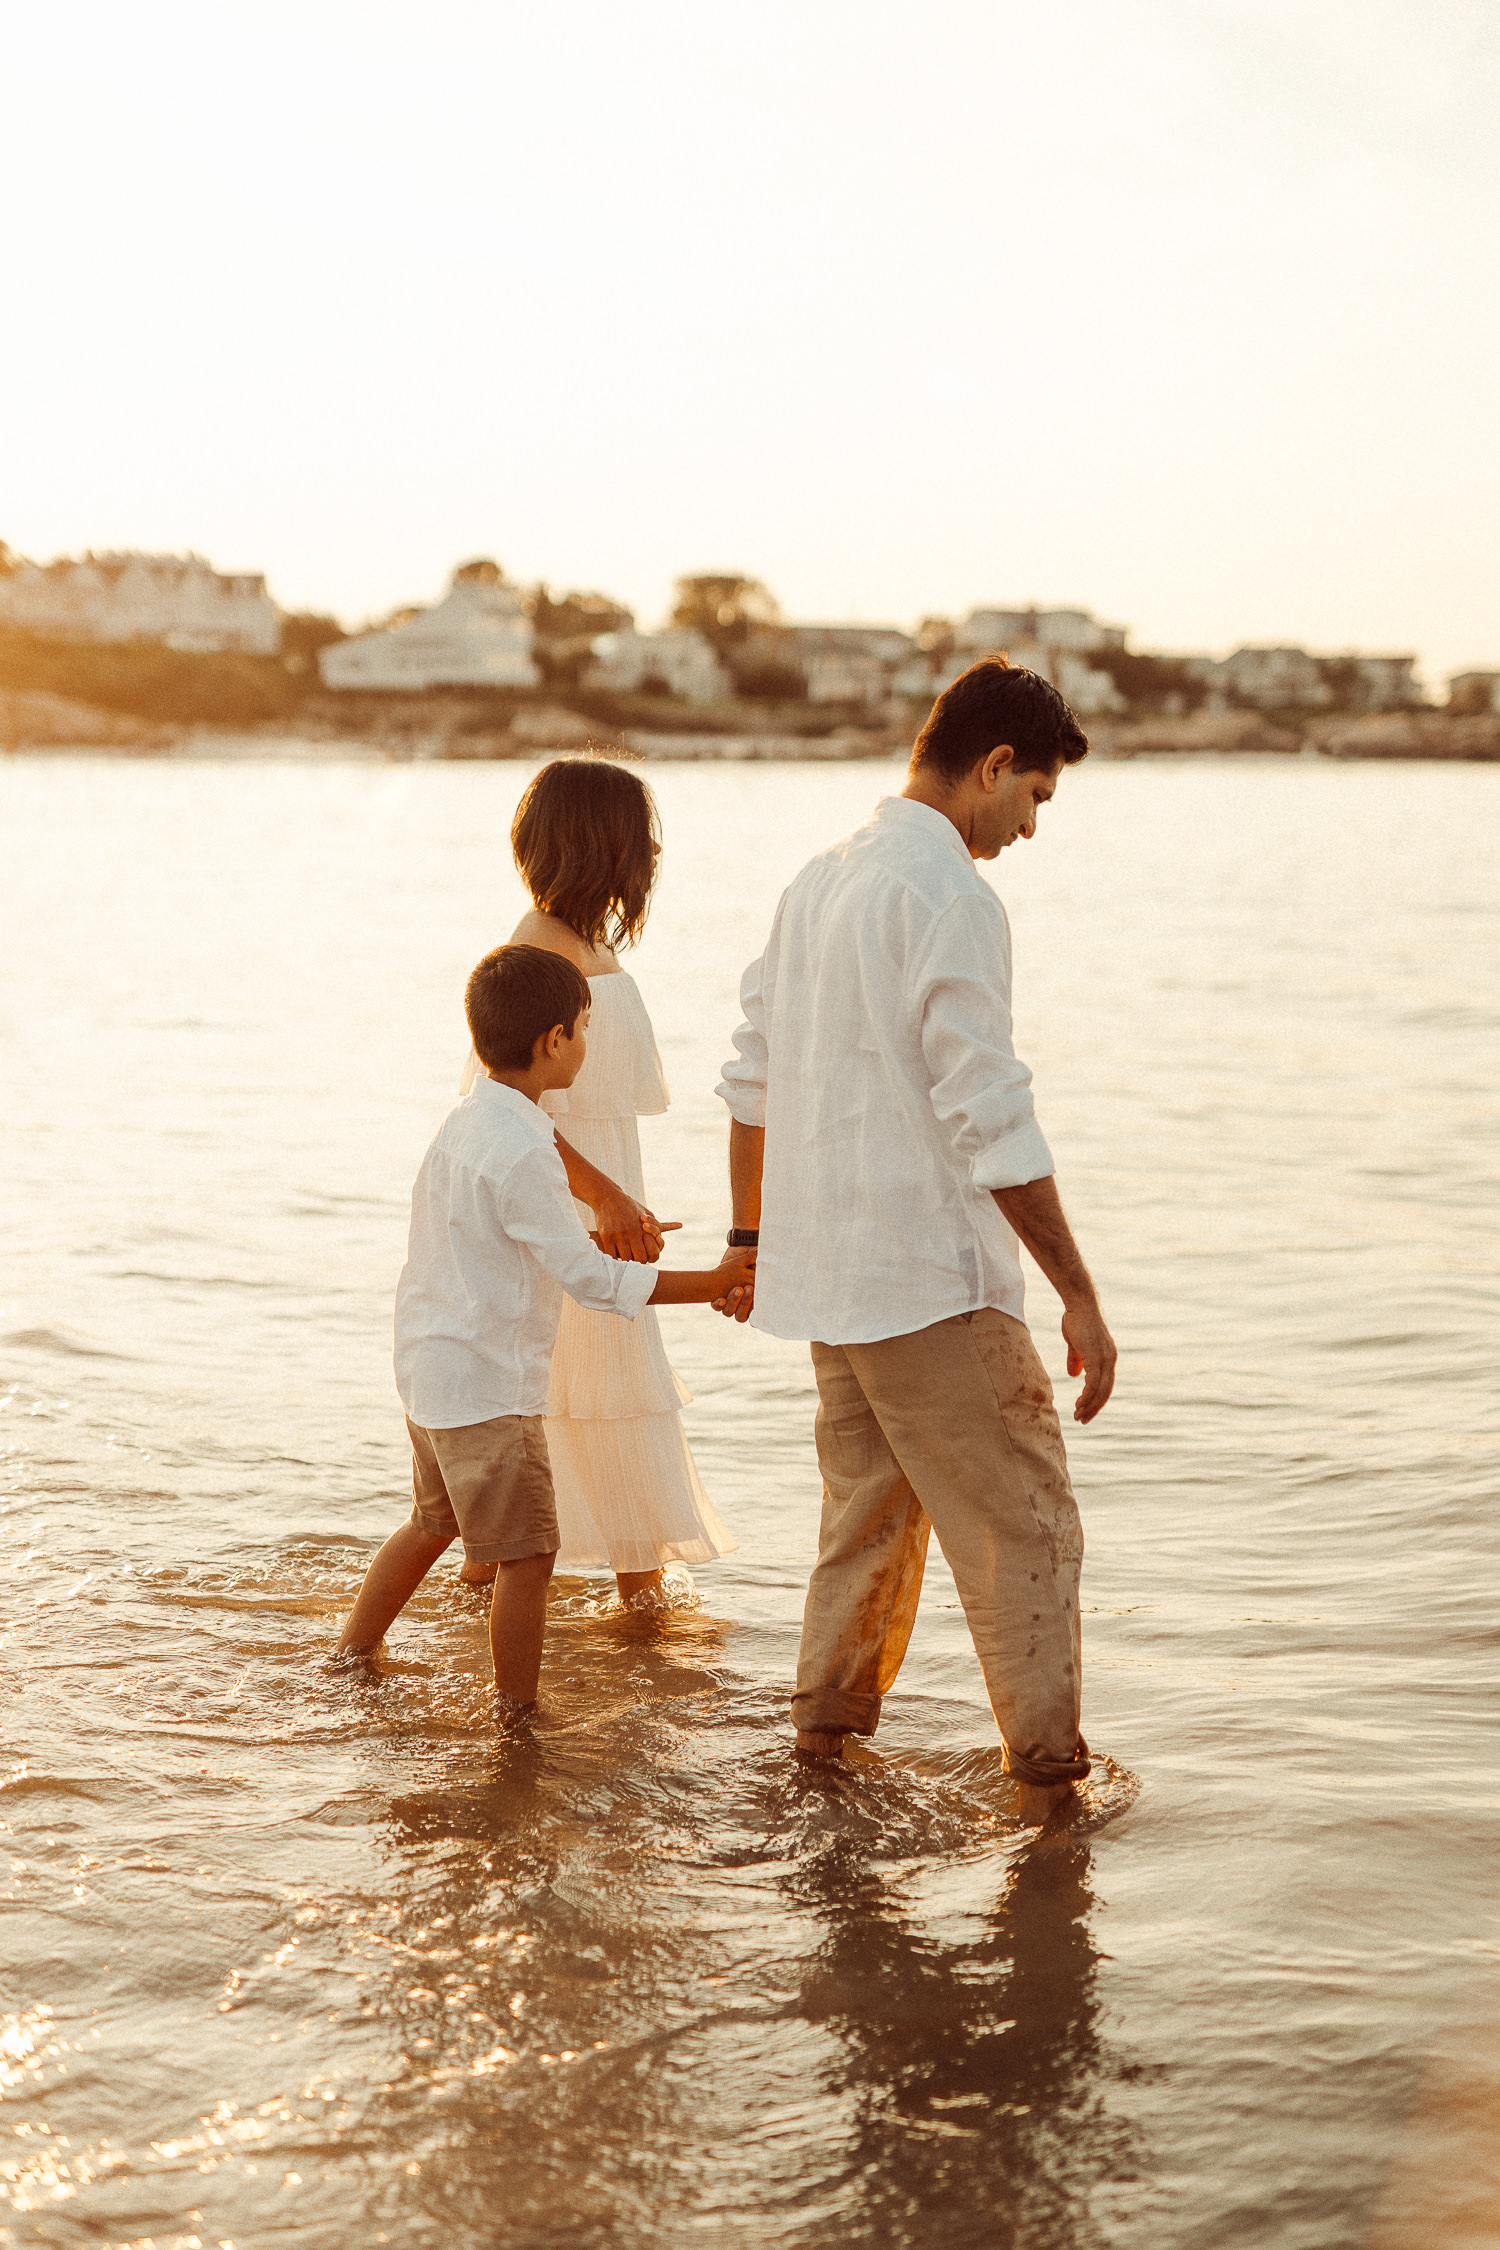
(743, 1238)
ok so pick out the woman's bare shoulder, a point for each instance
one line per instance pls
(553, 936)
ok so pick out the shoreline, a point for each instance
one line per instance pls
(439, 729)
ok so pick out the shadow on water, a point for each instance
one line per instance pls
(651, 1981)
(972, 2065)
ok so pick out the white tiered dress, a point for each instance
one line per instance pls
(629, 1497)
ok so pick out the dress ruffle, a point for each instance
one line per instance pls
(629, 1496)
(622, 1074)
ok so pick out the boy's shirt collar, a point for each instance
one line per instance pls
(519, 1105)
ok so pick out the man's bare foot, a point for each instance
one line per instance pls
(1044, 1802)
(478, 1574)
(811, 1744)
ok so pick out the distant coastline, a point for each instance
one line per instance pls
(487, 725)
(161, 656)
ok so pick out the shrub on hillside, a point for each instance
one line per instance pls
(169, 685)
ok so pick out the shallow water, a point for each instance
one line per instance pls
(292, 1952)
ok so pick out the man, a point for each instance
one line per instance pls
(885, 1156)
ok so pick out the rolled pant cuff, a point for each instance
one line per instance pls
(1046, 1772)
(832, 1710)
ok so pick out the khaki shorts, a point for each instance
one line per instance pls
(488, 1483)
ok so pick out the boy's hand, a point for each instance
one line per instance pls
(738, 1295)
(625, 1229)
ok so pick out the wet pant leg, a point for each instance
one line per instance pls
(872, 1549)
(965, 1416)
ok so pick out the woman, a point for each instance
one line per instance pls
(629, 1497)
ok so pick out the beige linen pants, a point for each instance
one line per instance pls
(952, 1428)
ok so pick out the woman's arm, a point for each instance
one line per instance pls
(623, 1228)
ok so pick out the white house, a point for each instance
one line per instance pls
(1056, 643)
(478, 635)
(1388, 683)
(1268, 679)
(1074, 631)
(179, 601)
(846, 663)
(679, 661)
(1087, 689)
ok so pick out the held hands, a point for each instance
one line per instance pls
(625, 1229)
(1091, 1354)
(737, 1268)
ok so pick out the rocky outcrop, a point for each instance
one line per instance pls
(433, 725)
(31, 719)
(553, 729)
(1198, 732)
(1409, 734)
(1387, 734)
(843, 742)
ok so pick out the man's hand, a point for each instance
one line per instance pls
(738, 1295)
(1091, 1354)
(1036, 1213)
(625, 1229)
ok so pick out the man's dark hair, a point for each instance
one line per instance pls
(994, 702)
(515, 997)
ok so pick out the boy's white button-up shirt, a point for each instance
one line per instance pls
(876, 1052)
(495, 1241)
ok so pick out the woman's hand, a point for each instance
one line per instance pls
(625, 1229)
(622, 1227)
(737, 1298)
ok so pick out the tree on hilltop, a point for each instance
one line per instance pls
(566, 630)
(303, 634)
(724, 609)
(575, 616)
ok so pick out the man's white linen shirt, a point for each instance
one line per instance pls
(495, 1241)
(876, 1052)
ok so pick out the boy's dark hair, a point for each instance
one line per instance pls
(583, 837)
(515, 997)
(996, 701)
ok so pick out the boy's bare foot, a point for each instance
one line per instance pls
(511, 1712)
(811, 1744)
(1044, 1802)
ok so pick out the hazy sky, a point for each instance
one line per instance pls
(1181, 310)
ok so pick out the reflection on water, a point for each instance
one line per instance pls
(646, 1904)
(295, 1950)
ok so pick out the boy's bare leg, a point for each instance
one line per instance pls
(518, 1623)
(633, 1582)
(391, 1580)
(477, 1573)
(811, 1744)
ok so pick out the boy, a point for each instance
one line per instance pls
(494, 1242)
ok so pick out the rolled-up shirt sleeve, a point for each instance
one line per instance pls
(980, 1090)
(743, 1084)
(537, 1211)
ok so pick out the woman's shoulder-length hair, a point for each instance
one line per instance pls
(585, 836)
